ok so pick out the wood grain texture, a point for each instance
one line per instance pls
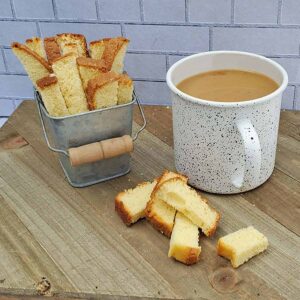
(74, 238)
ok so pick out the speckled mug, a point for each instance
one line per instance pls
(229, 147)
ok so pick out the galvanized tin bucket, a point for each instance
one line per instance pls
(63, 133)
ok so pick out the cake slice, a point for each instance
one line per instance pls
(242, 245)
(70, 48)
(90, 68)
(35, 66)
(52, 97)
(36, 45)
(130, 204)
(78, 39)
(97, 48)
(114, 53)
(51, 48)
(183, 198)
(102, 91)
(160, 214)
(184, 242)
(125, 89)
(66, 71)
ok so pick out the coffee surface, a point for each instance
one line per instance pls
(228, 85)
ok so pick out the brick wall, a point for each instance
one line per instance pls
(161, 32)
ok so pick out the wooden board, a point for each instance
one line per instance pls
(74, 239)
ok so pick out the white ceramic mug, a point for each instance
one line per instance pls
(225, 147)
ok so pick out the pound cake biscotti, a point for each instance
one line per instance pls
(160, 214)
(184, 242)
(66, 71)
(102, 91)
(52, 97)
(51, 48)
(125, 89)
(72, 38)
(130, 204)
(242, 245)
(36, 66)
(37, 46)
(183, 198)
(97, 48)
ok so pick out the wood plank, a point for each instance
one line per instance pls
(71, 225)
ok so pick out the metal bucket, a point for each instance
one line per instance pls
(62, 133)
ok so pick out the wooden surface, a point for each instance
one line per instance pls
(75, 241)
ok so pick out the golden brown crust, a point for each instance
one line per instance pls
(63, 57)
(121, 210)
(52, 49)
(125, 79)
(192, 256)
(112, 48)
(46, 81)
(77, 36)
(98, 64)
(32, 53)
(96, 83)
(33, 40)
(212, 231)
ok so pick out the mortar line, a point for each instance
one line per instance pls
(142, 12)
(12, 6)
(295, 97)
(97, 9)
(123, 32)
(55, 9)
(4, 60)
(210, 39)
(232, 11)
(167, 62)
(38, 28)
(186, 11)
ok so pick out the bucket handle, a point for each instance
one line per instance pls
(99, 150)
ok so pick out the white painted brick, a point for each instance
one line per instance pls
(6, 107)
(18, 86)
(146, 66)
(5, 9)
(76, 9)
(2, 121)
(266, 41)
(13, 64)
(16, 31)
(175, 58)
(153, 92)
(212, 11)
(2, 66)
(91, 31)
(164, 10)
(290, 13)
(167, 38)
(288, 98)
(297, 99)
(116, 10)
(256, 11)
(34, 9)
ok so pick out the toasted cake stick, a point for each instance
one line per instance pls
(97, 48)
(66, 71)
(125, 89)
(242, 245)
(90, 68)
(160, 214)
(183, 198)
(102, 91)
(184, 243)
(114, 53)
(35, 65)
(131, 204)
(52, 49)
(52, 97)
(70, 48)
(36, 45)
(78, 39)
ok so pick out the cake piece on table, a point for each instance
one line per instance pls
(130, 204)
(90, 68)
(183, 198)
(184, 242)
(102, 91)
(242, 245)
(125, 89)
(36, 45)
(160, 214)
(52, 97)
(52, 49)
(114, 53)
(35, 66)
(66, 71)
(73, 38)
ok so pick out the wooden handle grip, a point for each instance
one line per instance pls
(100, 150)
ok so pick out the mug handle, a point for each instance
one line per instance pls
(252, 150)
